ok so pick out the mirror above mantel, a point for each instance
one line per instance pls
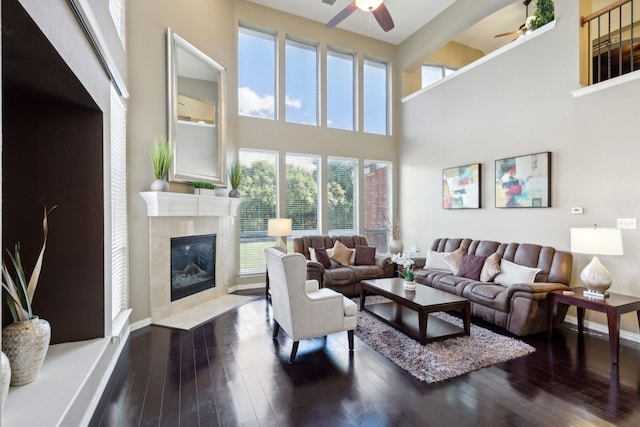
(196, 110)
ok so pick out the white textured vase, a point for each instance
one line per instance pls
(396, 246)
(410, 285)
(26, 344)
(5, 378)
(160, 185)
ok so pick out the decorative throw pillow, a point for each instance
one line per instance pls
(435, 261)
(491, 268)
(471, 266)
(323, 258)
(453, 260)
(343, 254)
(511, 274)
(365, 255)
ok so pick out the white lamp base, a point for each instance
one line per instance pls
(596, 278)
(280, 242)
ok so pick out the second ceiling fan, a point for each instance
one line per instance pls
(524, 27)
(376, 7)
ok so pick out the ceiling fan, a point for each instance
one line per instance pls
(523, 28)
(376, 7)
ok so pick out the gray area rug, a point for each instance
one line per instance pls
(440, 360)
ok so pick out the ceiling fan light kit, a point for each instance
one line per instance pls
(368, 5)
(376, 7)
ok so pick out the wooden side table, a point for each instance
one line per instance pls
(613, 306)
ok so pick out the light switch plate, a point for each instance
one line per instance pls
(627, 223)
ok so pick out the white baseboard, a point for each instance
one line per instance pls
(603, 329)
(246, 286)
(141, 324)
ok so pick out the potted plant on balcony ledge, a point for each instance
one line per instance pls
(26, 340)
(544, 14)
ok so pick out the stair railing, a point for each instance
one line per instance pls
(612, 52)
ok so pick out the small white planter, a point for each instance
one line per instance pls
(204, 191)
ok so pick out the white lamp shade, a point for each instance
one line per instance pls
(596, 241)
(368, 5)
(279, 227)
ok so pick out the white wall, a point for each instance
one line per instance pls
(520, 102)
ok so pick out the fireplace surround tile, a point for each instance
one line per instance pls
(179, 215)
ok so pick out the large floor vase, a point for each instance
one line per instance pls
(25, 344)
(5, 378)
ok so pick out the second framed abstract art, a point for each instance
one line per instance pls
(524, 181)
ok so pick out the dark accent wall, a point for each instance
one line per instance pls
(52, 155)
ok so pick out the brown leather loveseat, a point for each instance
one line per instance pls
(518, 306)
(339, 277)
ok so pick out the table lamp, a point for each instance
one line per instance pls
(280, 228)
(596, 241)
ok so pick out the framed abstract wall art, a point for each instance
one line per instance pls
(461, 187)
(524, 181)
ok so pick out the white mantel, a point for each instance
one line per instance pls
(161, 203)
(178, 215)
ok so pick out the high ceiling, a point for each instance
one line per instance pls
(409, 16)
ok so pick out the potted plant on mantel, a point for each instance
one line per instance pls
(204, 188)
(26, 340)
(161, 157)
(236, 172)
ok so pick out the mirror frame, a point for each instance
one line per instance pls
(174, 42)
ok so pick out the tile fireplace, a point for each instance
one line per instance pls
(177, 217)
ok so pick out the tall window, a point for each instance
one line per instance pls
(119, 233)
(340, 90)
(375, 97)
(378, 178)
(342, 195)
(301, 82)
(433, 73)
(117, 11)
(303, 184)
(256, 73)
(259, 189)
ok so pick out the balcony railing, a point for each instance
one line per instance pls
(613, 49)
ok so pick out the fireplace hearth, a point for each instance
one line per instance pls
(193, 265)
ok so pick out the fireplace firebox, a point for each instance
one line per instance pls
(193, 265)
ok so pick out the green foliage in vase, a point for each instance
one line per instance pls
(18, 292)
(161, 157)
(202, 184)
(236, 172)
(544, 14)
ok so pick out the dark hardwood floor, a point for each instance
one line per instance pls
(230, 372)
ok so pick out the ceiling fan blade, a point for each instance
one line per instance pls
(342, 15)
(506, 34)
(382, 15)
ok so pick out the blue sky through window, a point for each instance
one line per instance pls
(340, 90)
(301, 83)
(375, 97)
(256, 73)
(257, 84)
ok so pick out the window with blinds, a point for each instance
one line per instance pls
(342, 195)
(259, 190)
(117, 11)
(377, 188)
(119, 233)
(302, 196)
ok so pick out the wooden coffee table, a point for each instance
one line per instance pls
(409, 311)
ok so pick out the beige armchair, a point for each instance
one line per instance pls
(300, 307)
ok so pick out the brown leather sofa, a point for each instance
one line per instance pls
(344, 279)
(521, 307)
